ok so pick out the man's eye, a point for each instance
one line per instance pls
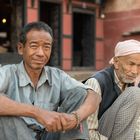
(47, 47)
(33, 46)
(131, 64)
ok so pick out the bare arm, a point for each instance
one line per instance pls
(90, 104)
(49, 119)
(13, 108)
(53, 121)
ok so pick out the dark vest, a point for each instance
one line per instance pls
(110, 90)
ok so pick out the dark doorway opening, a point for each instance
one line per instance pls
(5, 27)
(8, 31)
(83, 39)
(51, 14)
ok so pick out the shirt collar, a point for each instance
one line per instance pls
(24, 79)
(118, 82)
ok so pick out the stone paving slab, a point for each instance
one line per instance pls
(80, 75)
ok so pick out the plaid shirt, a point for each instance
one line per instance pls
(137, 135)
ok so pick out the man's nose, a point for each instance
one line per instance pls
(135, 69)
(40, 51)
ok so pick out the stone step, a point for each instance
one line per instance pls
(80, 75)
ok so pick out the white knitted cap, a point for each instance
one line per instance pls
(125, 48)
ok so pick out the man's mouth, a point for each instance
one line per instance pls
(39, 61)
(131, 77)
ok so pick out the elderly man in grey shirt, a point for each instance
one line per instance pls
(40, 102)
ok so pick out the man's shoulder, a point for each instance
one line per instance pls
(8, 67)
(7, 71)
(54, 71)
(107, 72)
(101, 75)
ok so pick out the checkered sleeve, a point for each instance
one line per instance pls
(137, 134)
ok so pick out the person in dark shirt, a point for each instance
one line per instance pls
(120, 106)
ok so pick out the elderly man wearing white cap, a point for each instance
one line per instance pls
(120, 106)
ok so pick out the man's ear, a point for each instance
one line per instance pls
(116, 62)
(20, 48)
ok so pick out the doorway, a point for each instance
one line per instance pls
(5, 27)
(50, 12)
(9, 25)
(83, 39)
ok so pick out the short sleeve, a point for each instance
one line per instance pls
(94, 84)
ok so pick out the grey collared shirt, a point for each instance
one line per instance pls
(51, 88)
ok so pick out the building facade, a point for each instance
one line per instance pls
(85, 31)
(121, 22)
(77, 26)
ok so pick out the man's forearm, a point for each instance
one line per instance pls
(49, 119)
(90, 105)
(13, 108)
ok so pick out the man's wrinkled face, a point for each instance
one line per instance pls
(37, 49)
(127, 67)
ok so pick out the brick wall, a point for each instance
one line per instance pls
(121, 17)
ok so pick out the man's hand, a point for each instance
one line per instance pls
(50, 120)
(68, 121)
(54, 121)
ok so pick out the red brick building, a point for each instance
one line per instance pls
(77, 26)
(122, 21)
(85, 31)
(77, 40)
